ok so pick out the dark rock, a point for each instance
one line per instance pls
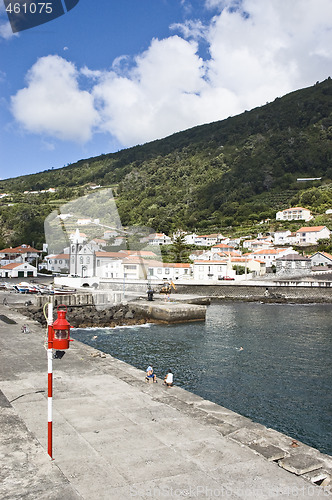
(118, 314)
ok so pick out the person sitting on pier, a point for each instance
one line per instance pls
(150, 375)
(168, 380)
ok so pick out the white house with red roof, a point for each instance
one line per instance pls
(207, 239)
(285, 237)
(223, 247)
(212, 270)
(310, 235)
(18, 270)
(257, 244)
(134, 268)
(295, 213)
(110, 233)
(109, 264)
(58, 263)
(269, 255)
(215, 253)
(159, 239)
(99, 242)
(168, 270)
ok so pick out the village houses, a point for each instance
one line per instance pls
(22, 253)
(269, 255)
(221, 259)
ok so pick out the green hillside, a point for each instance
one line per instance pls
(233, 172)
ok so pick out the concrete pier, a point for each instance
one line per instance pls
(116, 437)
(169, 312)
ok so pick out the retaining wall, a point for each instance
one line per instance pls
(257, 292)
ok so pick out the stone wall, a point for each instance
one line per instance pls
(258, 292)
(83, 316)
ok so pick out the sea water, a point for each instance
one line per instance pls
(269, 362)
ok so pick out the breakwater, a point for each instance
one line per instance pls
(84, 313)
(87, 315)
(262, 292)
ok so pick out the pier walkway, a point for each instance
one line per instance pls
(116, 437)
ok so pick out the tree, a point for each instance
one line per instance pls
(324, 245)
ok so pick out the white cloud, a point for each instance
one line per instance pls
(95, 75)
(157, 95)
(52, 102)
(6, 31)
(261, 53)
(257, 51)
(191, 29)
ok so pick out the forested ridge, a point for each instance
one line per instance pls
(229, 173)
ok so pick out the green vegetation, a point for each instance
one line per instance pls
(225, 176)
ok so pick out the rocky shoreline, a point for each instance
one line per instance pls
(89, 316)
(125, 314)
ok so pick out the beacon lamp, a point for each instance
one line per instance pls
(59, 333)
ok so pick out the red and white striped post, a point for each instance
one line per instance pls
(50, 376)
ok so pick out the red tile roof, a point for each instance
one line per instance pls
(310, 229)
(198, 262)
(13, 265)
(294, 208)
(64, 256)
(222, 245)
(20, 250)
(112, 255)
(268, 251)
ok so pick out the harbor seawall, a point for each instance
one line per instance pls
(188, 303)
(246, 292)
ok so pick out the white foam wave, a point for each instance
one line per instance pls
(118, 327)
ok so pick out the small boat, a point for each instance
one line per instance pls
(25, 287)
(64, 291)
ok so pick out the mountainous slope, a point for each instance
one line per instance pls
(215, 175)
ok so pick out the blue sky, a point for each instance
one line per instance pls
(112, 74)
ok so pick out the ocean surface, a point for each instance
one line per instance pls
(282, 376)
